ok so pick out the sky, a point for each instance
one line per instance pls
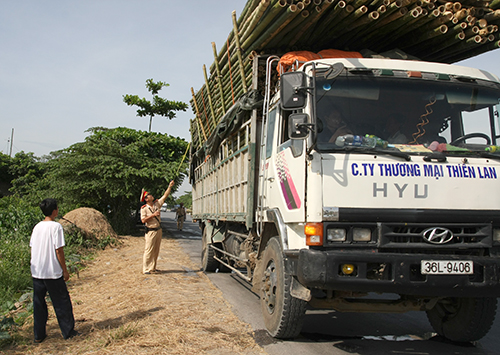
(65, 65)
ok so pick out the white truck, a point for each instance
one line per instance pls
(403, 200)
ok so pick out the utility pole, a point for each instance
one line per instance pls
(11, 142)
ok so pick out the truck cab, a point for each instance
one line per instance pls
(383, 177)
(359, 185)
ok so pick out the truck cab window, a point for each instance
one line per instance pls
(401, 111)
(296, 145)
(284, 129)
(476, 121)
(271, 122)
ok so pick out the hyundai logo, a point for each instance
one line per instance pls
(438, 235)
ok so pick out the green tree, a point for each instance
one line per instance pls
(159, 106)
(108, 170)
(26, 170)
(5, 176)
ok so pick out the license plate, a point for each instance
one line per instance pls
(446, 267)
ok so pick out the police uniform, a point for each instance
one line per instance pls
(181, 217)
(152, 237)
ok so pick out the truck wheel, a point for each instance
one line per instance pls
(208, 263)
(463, 319)
(283, 314)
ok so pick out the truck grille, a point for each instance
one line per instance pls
(468, 239)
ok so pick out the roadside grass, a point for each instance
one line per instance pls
(123, 332)
(119, 310)
(17, 219)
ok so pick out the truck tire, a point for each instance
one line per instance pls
(208, 263)
(463, 319)
(283, 314)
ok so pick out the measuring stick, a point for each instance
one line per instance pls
(182, 161)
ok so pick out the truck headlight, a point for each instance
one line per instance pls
(336, 235)
(361, 234)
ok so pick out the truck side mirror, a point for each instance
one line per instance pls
(293, 90)
(298, 126)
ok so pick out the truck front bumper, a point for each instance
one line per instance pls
(392, 273)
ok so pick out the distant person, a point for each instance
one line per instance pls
(334, 126)
(180, 215)
(49, 273)
(150, 216)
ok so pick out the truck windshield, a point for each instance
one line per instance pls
(407, 110)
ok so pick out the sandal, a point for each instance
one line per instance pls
(38, 341)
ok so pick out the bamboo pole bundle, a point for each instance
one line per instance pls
(391, 27)
(468, 44)
(307, 27)
(492, 16)
(249, 25)
(425, 36)
(199, 122)
(277, 26)
(429, 47)
(479, 50)
(347, 24)
(209, 95)
(293, 28)
(436, 30)
(249, 7)
(273, 11)
(318, 25)
(238, 52)
(330, 32)
(430, 17)
(218, 77)
(404, 25)
(278, 4)
(362, 26)
(420, 25)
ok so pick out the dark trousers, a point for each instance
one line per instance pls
(62, 306)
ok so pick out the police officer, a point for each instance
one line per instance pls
(180, 215)
(150, 216)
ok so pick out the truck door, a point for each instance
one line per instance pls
(284, 169)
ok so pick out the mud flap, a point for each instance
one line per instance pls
(299, 291)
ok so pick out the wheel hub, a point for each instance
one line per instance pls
(269, 287)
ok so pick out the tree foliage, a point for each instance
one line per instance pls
(158, 106)
(108, 170)
(26, 170)
(5, 175)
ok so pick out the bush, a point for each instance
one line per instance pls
(17, 219)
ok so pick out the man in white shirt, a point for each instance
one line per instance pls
(49, 273)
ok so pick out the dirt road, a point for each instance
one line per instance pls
(121, 311)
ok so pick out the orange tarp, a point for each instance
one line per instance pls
(292, 58)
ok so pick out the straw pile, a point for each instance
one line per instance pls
(90, 221)
(433, 30)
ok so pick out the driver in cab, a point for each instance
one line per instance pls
(334, 126)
